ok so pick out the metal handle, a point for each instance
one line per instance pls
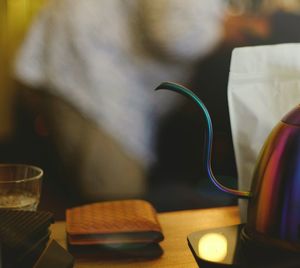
(208, 146)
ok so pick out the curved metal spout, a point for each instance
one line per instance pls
(208, 146)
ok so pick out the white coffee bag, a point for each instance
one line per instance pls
(264, 84)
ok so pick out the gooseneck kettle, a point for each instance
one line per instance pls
(274, 199)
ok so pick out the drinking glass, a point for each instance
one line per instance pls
(20, 186)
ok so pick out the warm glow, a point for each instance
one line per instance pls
(15, 17)
(213, 247)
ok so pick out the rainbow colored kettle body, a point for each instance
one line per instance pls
(274, 200)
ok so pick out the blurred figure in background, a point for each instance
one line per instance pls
(91, 68)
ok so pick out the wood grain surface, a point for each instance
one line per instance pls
(176, 227)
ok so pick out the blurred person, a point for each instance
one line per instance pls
(91, 67)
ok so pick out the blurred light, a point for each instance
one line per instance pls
(213, 247)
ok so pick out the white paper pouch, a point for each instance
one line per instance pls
(264, 84)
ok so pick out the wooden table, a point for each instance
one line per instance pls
(176, 226)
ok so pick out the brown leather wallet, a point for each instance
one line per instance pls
(113, 222)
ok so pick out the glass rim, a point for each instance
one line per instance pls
(31, 178)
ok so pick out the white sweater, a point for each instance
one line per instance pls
(106, 57)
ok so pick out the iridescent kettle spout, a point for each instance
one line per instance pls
(274, 207)
(208, 145)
